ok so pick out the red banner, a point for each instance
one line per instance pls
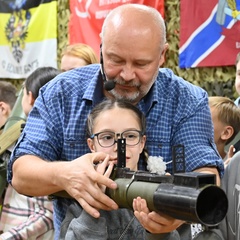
(87, 17)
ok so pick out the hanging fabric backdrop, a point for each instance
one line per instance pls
(87, 18)
(209, 33)
(28, 36)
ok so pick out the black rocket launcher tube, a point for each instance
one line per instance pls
(193, 197)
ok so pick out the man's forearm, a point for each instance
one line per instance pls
(33, 176)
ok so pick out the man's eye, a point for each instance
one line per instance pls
(141, 64)
(117, 61)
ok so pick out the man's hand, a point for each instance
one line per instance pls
(33, 176)
(105, 168)
(81, 180)
(152, 221)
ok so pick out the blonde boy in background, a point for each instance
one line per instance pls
(226, 121)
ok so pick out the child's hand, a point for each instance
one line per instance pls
(230, 153)
(152, 221)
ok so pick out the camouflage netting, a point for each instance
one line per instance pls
(215, 80)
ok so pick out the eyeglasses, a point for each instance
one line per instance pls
(108, 138)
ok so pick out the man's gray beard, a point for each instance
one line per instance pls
(126, 97)
(134, 96)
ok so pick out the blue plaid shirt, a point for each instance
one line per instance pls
(177, 112)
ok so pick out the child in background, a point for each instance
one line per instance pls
(226, 122)
(28, 217)
(8, 97)
(237, 79)
(77, 55)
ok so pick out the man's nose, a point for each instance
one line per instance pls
(128, 72)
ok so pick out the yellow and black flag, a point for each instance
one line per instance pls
(28, 36)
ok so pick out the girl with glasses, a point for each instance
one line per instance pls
(111, 120)
(107, 122)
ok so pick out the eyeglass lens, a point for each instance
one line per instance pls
(107, 139)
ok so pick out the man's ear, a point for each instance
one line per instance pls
(91, 145)
(162, 58)
(227, 133)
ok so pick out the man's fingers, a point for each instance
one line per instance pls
(105, 167)
(100, 157)
(92, 197)
(90, 210)
(91, 204)
(85, 184)
(109, 170)
(103, 180)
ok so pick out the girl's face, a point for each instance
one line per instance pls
(118, 120)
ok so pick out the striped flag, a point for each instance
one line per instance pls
(28, 31)
(209, 33)
(87, 17)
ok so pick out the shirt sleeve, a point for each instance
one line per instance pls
(196, 133)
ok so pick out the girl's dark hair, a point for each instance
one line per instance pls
(111, 104)
(38, 78)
